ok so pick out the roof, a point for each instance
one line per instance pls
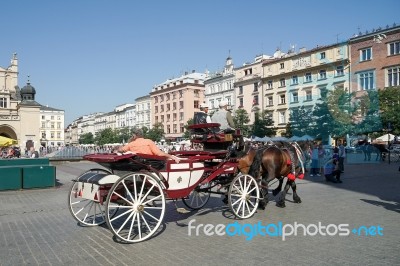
(47, 108)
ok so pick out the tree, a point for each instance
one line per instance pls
(367, 118)
(389, 99)
(86, 138)
(186, 134)
(156, 133)
(123, 134)
(105, 136)
(241, 120)
(300, 120)
(263, 125)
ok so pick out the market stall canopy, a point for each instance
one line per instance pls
(386, 138)
(307, 137)
(5, 142)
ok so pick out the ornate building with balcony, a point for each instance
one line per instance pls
(143, 116)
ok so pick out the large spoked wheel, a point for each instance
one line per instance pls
(198, 197)
(140, 201)
(86, 211)
(243, 196)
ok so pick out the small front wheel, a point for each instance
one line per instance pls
(243, 196)
(198, 198)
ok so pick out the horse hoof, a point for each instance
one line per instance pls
(297, 200)
(281, 204)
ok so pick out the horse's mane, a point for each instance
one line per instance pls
(255, 167)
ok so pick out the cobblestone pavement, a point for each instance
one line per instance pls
(36, 227)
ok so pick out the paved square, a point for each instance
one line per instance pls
(36, 227)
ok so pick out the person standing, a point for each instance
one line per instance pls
(321, 158)
(342, 156)
(34, 153)
(314, 161)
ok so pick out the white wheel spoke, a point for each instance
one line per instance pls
(122, 214)
(103, 212)
(247, 206)
(140, 230)
(252, 204)
(151, 216)
(126, 200)
(243, 209)
(132, 223)
(127, 190)
(134, 187)
(154, 208)
(147, 193)
(245, 183)
(84, 207)
(124, 223)
(236, 201)
(150, 200)
(141, 189)
(251, 190)
(148, 227)
(94, 216)
(238, 189)
(241, 186)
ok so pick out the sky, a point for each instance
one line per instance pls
(88, 56)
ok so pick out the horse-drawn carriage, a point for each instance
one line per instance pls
(133, 204)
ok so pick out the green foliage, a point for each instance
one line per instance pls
(263, 125)
(86, 138)
(105, 136)
(241, 120)
(389, 99)
(156, 133)
(300, 120)
(186, 134)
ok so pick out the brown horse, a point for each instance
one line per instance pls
(272, 162)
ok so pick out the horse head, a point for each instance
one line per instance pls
(246, 160)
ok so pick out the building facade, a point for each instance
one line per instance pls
(143, 116)
(51, 127)
(375, 59)
(175, 101)
(299, 79)
(219, 86)
(20, 114)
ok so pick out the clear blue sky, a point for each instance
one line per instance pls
(88, 56)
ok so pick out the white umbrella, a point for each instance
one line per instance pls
(279, 139)
(386, 138)
(307, 137)
(295, 138)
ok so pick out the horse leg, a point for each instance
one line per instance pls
(279, 188)
(281, 201)
(264, 193)
(296, 197)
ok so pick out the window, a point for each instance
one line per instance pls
(196, 94)
(162, 108)
(43, 135)
(339, 71)
(181, 116)
(229, 101)
(240, 90)
(393, 76)
(168, 118)
(270, 101)
(52, 124)
(59, 125)
(248, 71)
(175, 128)
(43, 117)
(322, 74)
(282, 83)
(322, 55)
(52, 117)
(43, 124)
(282, 65)
(240, 102)
(212, 105)
(196, 104)
(295, 97)
(270, 84)
(156, 109)
(366, 80)
(162, 119)
(180, 93)
(394, 48)
(181, 105)
(308, 95)
(255, 87)
(58, 135)
(366, 54)
(282, 117)
(308, 77)
(173, 106)
(3, 102)
(255, 100)
(295, 80)
(168, 107)
(174, 95)
(52, 135)
(282, 99)
(167, 95)
(174, 116)
(161, 98)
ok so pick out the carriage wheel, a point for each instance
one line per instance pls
(243, 196)
(140, 200)
(86, 211)
(198, 197)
